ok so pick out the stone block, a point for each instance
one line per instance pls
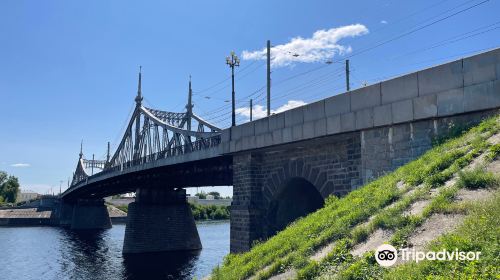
(259, 141)
(314, 111)
(450, 102)
(277, 136)
(482, 96)
(440, 78)
(268, 139)
(365, 97)
(333, 124)
(425, 107)
(294, 116)
(276, 121)
(364, 118)
(402, 111)
(401, 88)
(235, 132)
(297, 132)
(287, 134)
(308, 130)
(347, 122)
(226, 147)
(382, 115)
(226, 135)
(232, 146)
(261, 126)
(247, 129)
(481, 68)
(320, 127)
(248, 143)
(238, 145)
(338, 104)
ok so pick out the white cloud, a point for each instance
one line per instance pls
(260, 112)
(20, 165)
(323, 45)
(384, 22)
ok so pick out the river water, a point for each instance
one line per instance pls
(57, 253)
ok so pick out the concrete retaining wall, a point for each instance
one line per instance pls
(463, 86)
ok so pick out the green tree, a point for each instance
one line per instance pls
(9, 187)
(201, 195)
(215, 194)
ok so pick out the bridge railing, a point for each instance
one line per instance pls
(198, 145)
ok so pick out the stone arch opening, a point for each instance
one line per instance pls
(297, 198)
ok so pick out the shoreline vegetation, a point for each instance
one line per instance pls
(200, 212)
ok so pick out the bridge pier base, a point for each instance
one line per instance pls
(90, 214)
(160, 220)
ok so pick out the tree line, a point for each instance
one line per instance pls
(9, 187)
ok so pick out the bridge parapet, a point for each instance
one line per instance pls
(462, 86)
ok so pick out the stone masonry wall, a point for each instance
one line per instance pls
(333, 165)
(386, 148)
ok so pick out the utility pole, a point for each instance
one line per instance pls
(268, 78)
(60, 186)
(347, 74)
(251, 109)
(233, 61)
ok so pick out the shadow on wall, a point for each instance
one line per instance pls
(298, 198)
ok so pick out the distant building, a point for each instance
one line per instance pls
(210, 197)
(26, 196)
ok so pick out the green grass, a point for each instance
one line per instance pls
(338, 221)
(480, 232)
(476, 179)
(124, 208)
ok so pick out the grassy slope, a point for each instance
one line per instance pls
(335, 222)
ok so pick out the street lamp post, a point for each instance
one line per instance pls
(233, 61)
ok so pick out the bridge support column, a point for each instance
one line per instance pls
(90, 214)
(159, 221)
(247, 222)
(62, 214)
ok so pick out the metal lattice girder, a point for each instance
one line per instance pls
(155, 134)
(90, 163)
(168, 117)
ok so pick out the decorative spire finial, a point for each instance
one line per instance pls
(81, 149)
(138, 99)
(190, 105)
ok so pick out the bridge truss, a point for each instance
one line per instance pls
(152, 135)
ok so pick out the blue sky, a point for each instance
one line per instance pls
(69, 69)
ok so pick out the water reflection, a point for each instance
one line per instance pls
(56, 253)
(173, 265)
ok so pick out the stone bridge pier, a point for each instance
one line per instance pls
(82, 214)
(160, 220)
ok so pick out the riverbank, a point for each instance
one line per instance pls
(200, 212)
(42, 216)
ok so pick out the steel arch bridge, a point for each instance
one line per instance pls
(152, 135)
